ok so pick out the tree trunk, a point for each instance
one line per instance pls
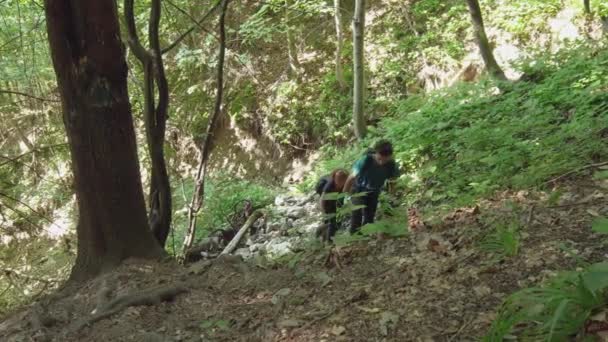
(358, 67)
(587, 5)
(482, 40)
(339, 44)
(91, 70)
(199, 191)
(292, 49)
(155, 118)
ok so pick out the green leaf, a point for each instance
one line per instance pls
(558, 316)
(600, 225)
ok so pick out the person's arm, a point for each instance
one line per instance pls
(349, 183)
(353, 176)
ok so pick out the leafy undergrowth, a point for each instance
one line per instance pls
(444, 282)
(468, 141)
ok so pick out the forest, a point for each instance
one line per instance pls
(304, 170)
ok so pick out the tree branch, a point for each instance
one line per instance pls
(12, 92)
(197, 24)
(132, 37)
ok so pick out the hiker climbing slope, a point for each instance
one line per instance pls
(370, 173)
(331, 184)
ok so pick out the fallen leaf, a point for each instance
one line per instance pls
(338, 330)
(368, 310)
(593, 212)
(324, 278)
(276, 298)
(289, 323)
(600, 316)
(482, 291)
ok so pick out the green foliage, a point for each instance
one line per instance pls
(600, 225)
(503, 242)
(555, 311)
(469, 141)
(222, 196)
(524, 19)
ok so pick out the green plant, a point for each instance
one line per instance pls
(503, 242)
(553, 312)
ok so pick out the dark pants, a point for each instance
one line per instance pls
(365, 215)
(332, 223)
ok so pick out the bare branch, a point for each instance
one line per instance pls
(197, 24)
(12, 92)
(14, 159)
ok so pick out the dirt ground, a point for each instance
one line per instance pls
(436, 284)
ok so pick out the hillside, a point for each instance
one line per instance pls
(494, 231)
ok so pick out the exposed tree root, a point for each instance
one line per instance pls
(136, 298)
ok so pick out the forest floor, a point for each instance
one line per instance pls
(436, 284)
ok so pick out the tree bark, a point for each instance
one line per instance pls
(89, 61)
(587, 5)
(155, 118)
(482, 41)
(339, 44)
(199, 191)
(358, 67)
(292, 49)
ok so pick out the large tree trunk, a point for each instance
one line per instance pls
(199, 191)
(155, 118)
(89, 62)
(339, 44)
(358, 67)
(482, 40)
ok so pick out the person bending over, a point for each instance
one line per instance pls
(333, 183)
(370, 173)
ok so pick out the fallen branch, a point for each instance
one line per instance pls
(136, 298)
(530, 216)
(466, 324)
(237, 238)
(590, 166)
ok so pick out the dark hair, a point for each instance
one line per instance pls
(384, 148)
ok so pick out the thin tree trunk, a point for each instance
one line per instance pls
(339, 44)
(155, 118)
(292, 49)
(482, 40)
(587, 5)
(91, 70)
(358, 67)
(199, 191)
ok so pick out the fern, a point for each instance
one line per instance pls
(554, 312)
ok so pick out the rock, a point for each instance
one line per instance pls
(274, 225)
(256, 247)
(243, 252)
(279, 200)
(296, 213)
(279, 249)
(283, 200)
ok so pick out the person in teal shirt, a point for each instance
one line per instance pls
(370, 173)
